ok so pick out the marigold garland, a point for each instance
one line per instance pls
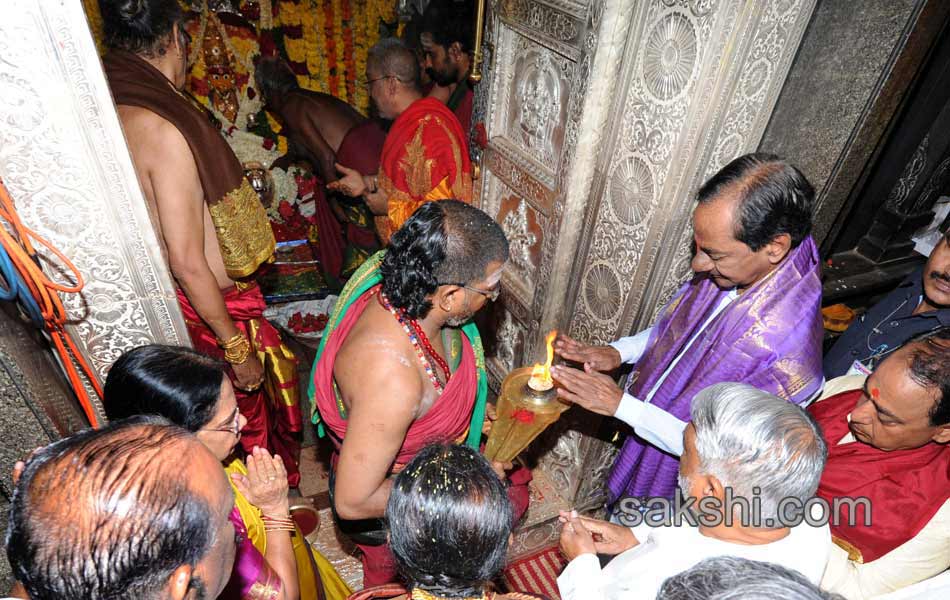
(325, 40)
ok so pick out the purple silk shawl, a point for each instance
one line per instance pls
(769, 337)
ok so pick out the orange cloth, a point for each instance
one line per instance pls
(425, 158)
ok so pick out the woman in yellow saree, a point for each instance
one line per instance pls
(273, 560)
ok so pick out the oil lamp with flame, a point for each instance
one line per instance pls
(527, 405)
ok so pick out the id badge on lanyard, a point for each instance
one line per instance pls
(858, 368)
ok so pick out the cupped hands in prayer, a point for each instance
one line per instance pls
(600, 358)
(594, 391)
(265, 485)
(583, 535)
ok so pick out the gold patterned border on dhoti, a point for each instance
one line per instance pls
(244, 232)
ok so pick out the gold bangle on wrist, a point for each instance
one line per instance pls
(234, 341)
(236, 348)
(237, 356)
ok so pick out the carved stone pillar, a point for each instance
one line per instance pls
(64, 159)
(605, 117)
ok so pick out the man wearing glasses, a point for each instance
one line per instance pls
(425, 156)
(401, 364)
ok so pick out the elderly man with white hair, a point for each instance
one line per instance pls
(742, 443)
(730, 578)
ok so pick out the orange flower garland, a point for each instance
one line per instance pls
(335, 37)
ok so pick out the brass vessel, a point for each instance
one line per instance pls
(523, 413)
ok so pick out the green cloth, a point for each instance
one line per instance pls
(363, 279)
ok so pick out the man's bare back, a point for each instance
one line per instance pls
(378, 334)
(384, 390)
(332, 117)
(169, 178)
(152, 141)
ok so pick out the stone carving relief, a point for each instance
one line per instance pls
(669, 57)
(654, 111)
(519, 180)
(601, 291)
(509, 337)
(908, 179)
(547, 24)
(697, 97)
(591, 490)
(530, 540)
(511, 334)
(64, 159)
(562, 462)
(520, 224)
(538, 102)
(539, 94)
(631, 190)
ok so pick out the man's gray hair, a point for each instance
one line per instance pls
(751, 439)
(390, 57)
(733, 578)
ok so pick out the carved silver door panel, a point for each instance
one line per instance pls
(64, 159)
(538, 70)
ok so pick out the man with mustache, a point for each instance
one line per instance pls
(446, 38)
(749, 314)
(921, 303)
(888, 441)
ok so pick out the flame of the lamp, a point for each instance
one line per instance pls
(541, 374)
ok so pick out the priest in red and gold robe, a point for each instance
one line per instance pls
(425, 156)
(888, 440)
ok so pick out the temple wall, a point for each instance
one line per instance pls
(64, 160)
(847, 83)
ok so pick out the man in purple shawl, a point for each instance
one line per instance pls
(750, 314)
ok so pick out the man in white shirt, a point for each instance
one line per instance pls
(750, 314)
(741, 443)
